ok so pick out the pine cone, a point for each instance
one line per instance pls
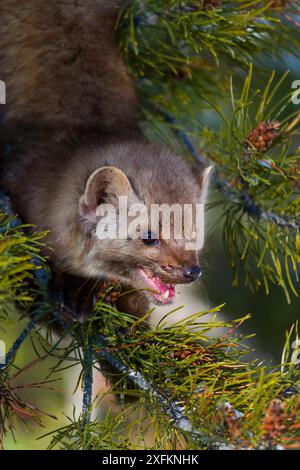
(110, 296)
(200, 354)
(182, 74)
(4, 394)
(274, 422)
(280, 4)
(262, 137)
(206, 4)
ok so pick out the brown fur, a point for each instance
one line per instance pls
(61, 65)
(72, 109)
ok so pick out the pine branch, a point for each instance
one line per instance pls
(18, 343)
(87, 383)
(177, 413)
(111, 322)
(248, 204)
(233, 31)
(20, 258)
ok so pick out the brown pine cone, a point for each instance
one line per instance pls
(206, 4)
(201, 355)
(110, 290)
(262, 137)
(274, 422)
(280, 4)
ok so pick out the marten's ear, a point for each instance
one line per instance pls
(105, 185)
(204, 177)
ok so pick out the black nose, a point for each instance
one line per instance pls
(192, 273)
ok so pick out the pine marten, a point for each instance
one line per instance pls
(71, 142)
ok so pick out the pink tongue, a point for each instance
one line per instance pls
(166, 298)
(160, 285)
(156, 284)
(164, 288)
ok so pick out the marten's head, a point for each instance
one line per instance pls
(143, 212)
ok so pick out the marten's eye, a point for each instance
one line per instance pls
(150, 239)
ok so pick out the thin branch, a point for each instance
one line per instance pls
(87, 383)
(21, 338)
(171, 408)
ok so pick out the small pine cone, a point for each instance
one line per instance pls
(113, 294)
(262, 137)
(206, 4)
(274, 422)
(4, 394)
(200, 354)
(181, 355)
(182, 74)
(280, 4)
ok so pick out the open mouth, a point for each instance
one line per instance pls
(164, 293)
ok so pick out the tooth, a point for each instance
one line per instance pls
(165, 295)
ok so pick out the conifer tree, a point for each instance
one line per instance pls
(205, 72)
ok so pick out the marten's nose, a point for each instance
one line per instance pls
(192, 273)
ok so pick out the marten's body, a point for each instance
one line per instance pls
(61, 65)
(70, 140)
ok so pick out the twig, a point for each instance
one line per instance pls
(185, 139)
(21, 338)
(292, 20)
(176, 412)
(87, 384)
